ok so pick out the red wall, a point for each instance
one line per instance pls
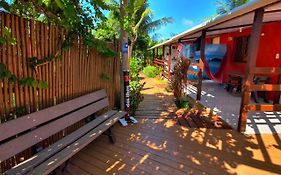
(270, 45)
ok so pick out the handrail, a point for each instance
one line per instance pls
(159, 62)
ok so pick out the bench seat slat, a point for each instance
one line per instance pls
(16, 126)
(29, 139)
(43, 155)
(52, 163)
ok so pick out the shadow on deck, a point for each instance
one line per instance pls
(157, 145)
(227, 106)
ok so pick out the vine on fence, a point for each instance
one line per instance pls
(72, 16)
(34, 62)
(7, 38)
(6, 73)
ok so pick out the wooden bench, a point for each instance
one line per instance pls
(22, 133)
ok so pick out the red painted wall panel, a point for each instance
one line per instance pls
(270, 45)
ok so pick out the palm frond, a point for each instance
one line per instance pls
(227, 5)
(146, 13)
(154, 25)
(222, 7)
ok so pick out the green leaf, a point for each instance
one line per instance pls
(12, 78)
(43, 85)
(32, 82)
(59, 4)
(5, 5)
(3, 70)
(6, 32)
(2, 40)
(13, 41)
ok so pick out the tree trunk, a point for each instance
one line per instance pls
(124, 57)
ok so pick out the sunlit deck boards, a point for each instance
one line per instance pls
(227, 106)
(159, 146)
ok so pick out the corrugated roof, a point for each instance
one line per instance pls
(240, 16)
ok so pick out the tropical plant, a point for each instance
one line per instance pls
(152, 71)
(135, 68)
(138, 22)
(227, 5)
(135, 85)
(224, 6)
(108, 29)
(178, 79)
(76, 16)
(79, 17)
(141, 48)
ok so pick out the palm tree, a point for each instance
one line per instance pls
(139, 21)
(224, 6)
(227, 5)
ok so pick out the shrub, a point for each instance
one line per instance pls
(135, 95)
(152, 71)
(182, 104)
(135, 85)
(135, 68)
(178, 78)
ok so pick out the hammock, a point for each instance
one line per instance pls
(214, 52)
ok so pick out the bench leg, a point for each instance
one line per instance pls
(110, 135)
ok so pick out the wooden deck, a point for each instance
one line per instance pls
(157, 145)
(227, 106)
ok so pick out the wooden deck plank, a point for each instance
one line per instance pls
(49, 165)
(179, 150)
(88, 167)
(74, 170)
(114, 164)
(165, 161)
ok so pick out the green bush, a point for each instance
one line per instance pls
(152, 71)
(135, 68)
(135, 85)
(182, 104)
(135, 95)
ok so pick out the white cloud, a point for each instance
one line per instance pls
(187, 22)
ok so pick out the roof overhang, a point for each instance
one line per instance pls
(240, 17)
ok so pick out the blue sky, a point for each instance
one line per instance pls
(186, 13)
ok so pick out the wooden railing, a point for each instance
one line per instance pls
(250, 87)
(264, 87)
(161, 63)
(158, 62)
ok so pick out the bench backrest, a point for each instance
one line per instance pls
(20, 134)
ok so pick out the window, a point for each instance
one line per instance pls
(241, 48)
(216, 40)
